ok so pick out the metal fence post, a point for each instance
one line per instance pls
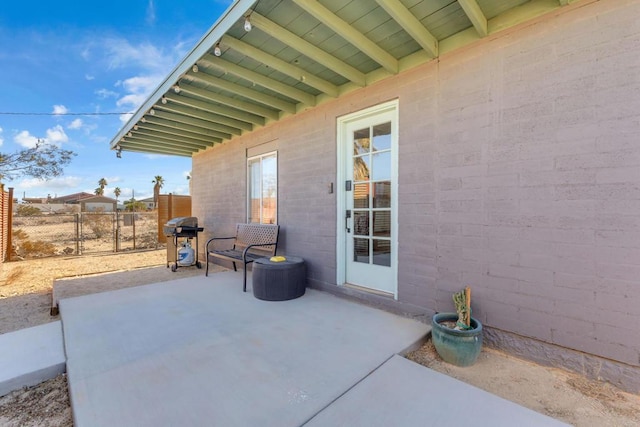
(77, 234)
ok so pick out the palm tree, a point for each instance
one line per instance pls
(101, 184)
(117, 192)
(158, 182)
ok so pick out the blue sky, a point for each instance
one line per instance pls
(92, 57)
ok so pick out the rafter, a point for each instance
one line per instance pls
(171, 132)
(411, 25)
(231, 102)
(476, 16)
(165, 137)
(217, 109)
(133, 142)
(150, 150)
(346, 31)
(203, 124)
(284, 67)
(260, 79)
(183, 128)
(308, 49)
(158, 142)
(199, 114)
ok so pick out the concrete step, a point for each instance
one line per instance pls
(30, 356)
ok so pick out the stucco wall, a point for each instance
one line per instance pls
(519, 175)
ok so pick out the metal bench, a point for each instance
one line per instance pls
(251, 242)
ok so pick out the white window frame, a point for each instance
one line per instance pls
(248, 200)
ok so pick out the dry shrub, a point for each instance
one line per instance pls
(36, 248)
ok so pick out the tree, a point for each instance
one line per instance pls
(101, 184)
(133, 205)
(158, 182)
(43, 161)
(117, 192)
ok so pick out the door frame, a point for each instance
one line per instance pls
(341, 175)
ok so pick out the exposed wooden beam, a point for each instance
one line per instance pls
(199, 114)
(130, 142)
(188, 129)
(151, 150)
(182, 140)
(159, 142)
(209, 107)
(231, 102)
(476, 16)
(261, 80)
(169, 131)
(346, 31)
(411, 25)
(307, 49)
(203, 124)
(284, 67)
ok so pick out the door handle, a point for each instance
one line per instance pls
(347, 216)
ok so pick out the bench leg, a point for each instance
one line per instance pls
(244, 287)
(206, 272)
(234, 266)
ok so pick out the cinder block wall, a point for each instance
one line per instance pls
(519, 175)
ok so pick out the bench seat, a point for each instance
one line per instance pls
(251, 242)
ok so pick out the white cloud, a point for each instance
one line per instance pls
(62, 183)
(89, 77)
(106, 93)
(25, 139)
(60, 109)
(56, 135)
(1, 138)
(76, 124)
(151, 13)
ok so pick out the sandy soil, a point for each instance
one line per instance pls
(26, 299)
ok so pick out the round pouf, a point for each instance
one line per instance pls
(279, 281)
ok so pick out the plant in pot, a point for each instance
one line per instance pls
(457, 337)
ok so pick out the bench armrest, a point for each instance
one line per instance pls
(216, 238)
(244, 252)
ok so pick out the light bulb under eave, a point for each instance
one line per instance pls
(195, 68)
(247, 24)
(164, 100)
(216, 50)
(176, 89)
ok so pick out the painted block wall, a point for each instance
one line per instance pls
(519, 175)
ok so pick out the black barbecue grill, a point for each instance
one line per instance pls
(185, 227)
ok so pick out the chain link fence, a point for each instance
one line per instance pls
(37, 236)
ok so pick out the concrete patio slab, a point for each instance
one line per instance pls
(199, 351)
(403, 393)
(30, 356)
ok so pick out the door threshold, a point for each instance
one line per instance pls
(369, 290)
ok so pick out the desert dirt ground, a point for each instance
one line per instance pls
(26, 299)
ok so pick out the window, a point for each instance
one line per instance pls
(262, 203)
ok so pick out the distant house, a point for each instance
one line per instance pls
(88, 202)
(148, 203)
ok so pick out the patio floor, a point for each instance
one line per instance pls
(199, 351)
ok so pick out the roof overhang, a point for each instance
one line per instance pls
(300, 54)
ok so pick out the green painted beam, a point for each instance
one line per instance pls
(231, 102)
(346, 31)
(411, 25)
(132, 142)
(309, 50)
(204, 124)
(284, 67)
(151, 150)
(209, 107)
(173, 144)
(167, 137)
(199, 114)
(476, 16)
(259, 79)
(187, 129)
(178, 133)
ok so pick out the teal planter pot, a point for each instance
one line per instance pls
(460, 348)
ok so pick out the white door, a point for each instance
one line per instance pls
(368, 218)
